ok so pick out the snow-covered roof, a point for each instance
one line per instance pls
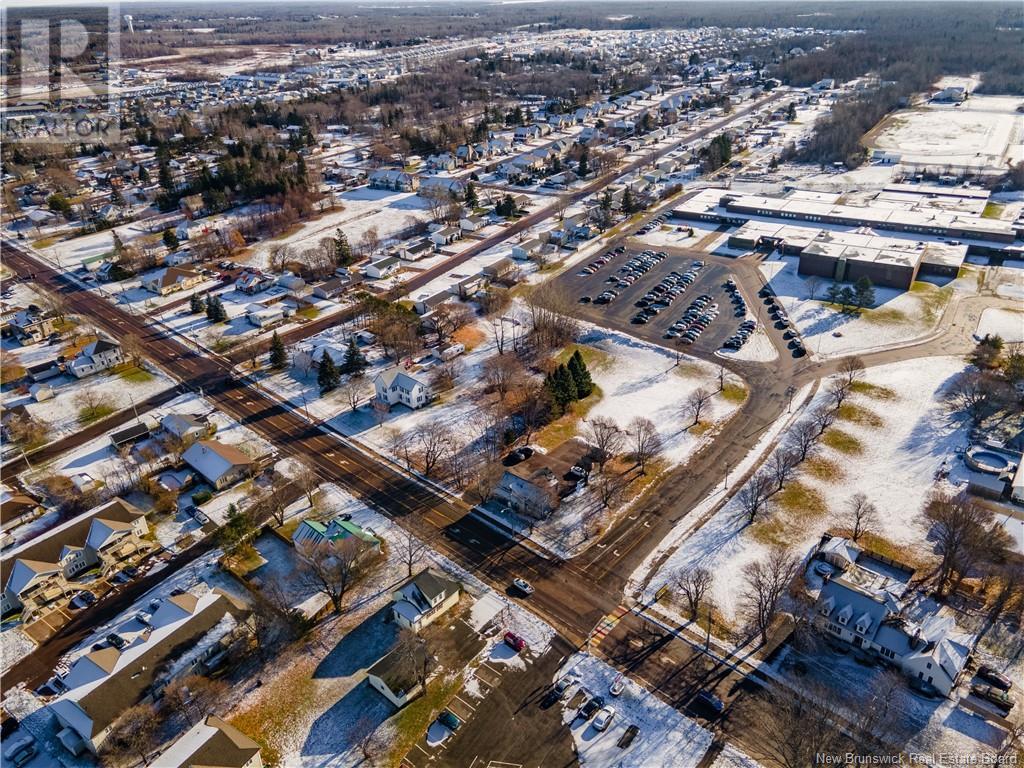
(214, 459)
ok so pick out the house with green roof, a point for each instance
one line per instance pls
(312, 534)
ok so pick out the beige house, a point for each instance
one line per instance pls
(211, 743)
(220, 464)
(170, 280)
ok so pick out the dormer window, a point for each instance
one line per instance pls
(845, 615)
(827, 606)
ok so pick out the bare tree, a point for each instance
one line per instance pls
(610, 487)
(823, 417)
(305, 478)
(754, 495)
(607, 438)
(973, 393)
(696, 403)
(330, 568)
(133, 735)
(562, 203)
(433, 440)
(410, 549)
(194, 696)
(645, 442)
(795, 729)
(352, 391)
(781, 465)
(813, 285)
(861, 515)
(765, 582)
(501, 373)
(693, 582)
(851, 370)
(965, 535)
(803, 437)
(449, 317)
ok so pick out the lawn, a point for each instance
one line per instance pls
(733, 392)
(90, 413)
(293, 694)
(992, 211)
(594, 358)
(412, 721)
(134, 374)
(566, 426)
(858, 414)
(843, 442)
(874, 391)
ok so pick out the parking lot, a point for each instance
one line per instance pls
(682, 297)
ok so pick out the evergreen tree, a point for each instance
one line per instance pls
(342, 250)
(847, 297)
(196, 304)
(584, 165)
(118, 244)
(171, 239)
(628, 203)
(864, 292)
(165, 177)
(354, 363)
(565, 391)
(215, 311)
(791, 111)
(328, 376)
(833, 293)
(606, 201)
(143, 174)
(580, 375)
(471, 198)
(278, 354)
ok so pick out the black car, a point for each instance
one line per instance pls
(707, 702)
(627, 738)
(995, 678)
(588, 709)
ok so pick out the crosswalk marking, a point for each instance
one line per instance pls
(606, 625)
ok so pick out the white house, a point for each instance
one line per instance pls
(395, 386)
(261, 315)
(423, 599)
(382, 267)
(99, 355)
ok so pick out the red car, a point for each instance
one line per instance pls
(514, 641)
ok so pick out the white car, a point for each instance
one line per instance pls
(604, 718)
(523, 586)
(618, 684)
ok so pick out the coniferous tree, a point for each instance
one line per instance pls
(328, 376)
(342, 249)
(584, 165)
(564, 387)
(864, 292)
(628, 204)
(355, 362)
(580, 375)
(278, 354)
(471, 198)
(196, 304)
(171, 239)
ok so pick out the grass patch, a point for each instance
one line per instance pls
(412, 721)
(800, 500)
(733, 392)
(821, 468)
(91, 413)
(45, 242)
(874, 391)
(689, 369)
(843, 442)
(291, 694)
(567, 425)
(992, 211)
(134, 374)
(933, 298)
(595, 359)
(469, 336)
(858, 414)
(244, 561)
(310, 313)
(701, 428)
(289, 527)
(885, 316)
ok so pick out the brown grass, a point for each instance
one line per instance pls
(733, 392)
(843, 442)
(821, 468)
(469, 336)
(860, 415)
(795, 506)
(874, 391)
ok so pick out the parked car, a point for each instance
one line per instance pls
(994, 678)
(604, 718)
(590, 706)
(617, 686)
(563, 685)
(627, 738)
(20, 750)
(523, 586)
(514, 641)
(449, 720)
(994, 696)
(707, 702)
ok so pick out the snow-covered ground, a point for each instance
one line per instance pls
(733, 757)
(1006, 323)
(898, 316)
(895, 465)
(759, 349)
(60, 412)
(667, 738)
(670, 234)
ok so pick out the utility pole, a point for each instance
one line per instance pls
(790, 391)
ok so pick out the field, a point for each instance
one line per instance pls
(981, 134)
